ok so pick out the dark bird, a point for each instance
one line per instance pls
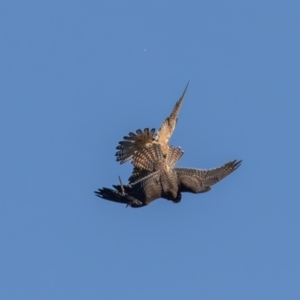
(163, 180)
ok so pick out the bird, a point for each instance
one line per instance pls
(163, 179)
(154, 174)
(135, 142)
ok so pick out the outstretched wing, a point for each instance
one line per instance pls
(166, 129)
(133, 143)
(136, 142)
(200, 181)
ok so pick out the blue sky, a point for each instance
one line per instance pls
(76, 77)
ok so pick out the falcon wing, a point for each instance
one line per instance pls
(149, 158)
(200, 181)
(174, 154)
(166, 130)
(152, 158)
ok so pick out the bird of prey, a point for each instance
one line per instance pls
(164, 180)
(135, 142)
(155, 175)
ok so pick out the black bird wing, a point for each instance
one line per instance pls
(138, 194)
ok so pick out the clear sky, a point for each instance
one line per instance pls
(76, 76)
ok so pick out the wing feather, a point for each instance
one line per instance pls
(199, 181)
(167, 127)
(174, 154)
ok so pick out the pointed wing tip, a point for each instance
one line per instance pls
(237, 163)
(98, 193)
(234, 164)
(186, 87)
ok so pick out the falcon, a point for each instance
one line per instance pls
(134, 143)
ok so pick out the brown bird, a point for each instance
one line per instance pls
(163, 179)
(135, 142)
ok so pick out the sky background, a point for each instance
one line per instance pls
(76, 76)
